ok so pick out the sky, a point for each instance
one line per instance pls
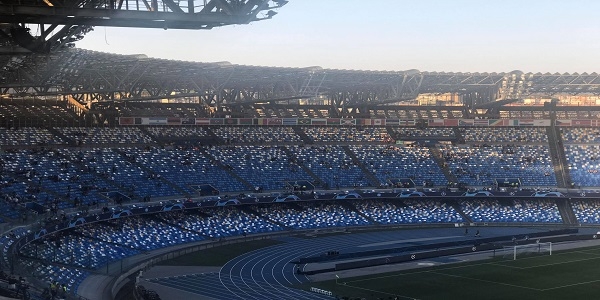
(396, 35)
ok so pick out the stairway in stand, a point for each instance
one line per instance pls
(441, 162)
(559, 160)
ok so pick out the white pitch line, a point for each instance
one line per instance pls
(505, 266)
(569, 285)
(376, 291)
(408, 272)
(488, 281)
(560, 263)
(538, 257)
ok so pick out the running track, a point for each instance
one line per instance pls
(266, 274)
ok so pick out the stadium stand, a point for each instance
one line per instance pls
(16, 113)
(257, 134)
(307, 215)
(517, 210)
(332, 165)
(180, 132)
(186, 167)
(221, 222)
(408, 212)
(94, 135)
(504, 135)
(29, 136)
(586, 211)
(81, 130)
(584, 165)
(480, 165)
(387, 162)
(428, 132)
(580, 135)
(268, 168)
(43, 172)
(347, 134)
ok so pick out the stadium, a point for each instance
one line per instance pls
(130, 177)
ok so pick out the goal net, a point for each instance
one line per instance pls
(536, 249)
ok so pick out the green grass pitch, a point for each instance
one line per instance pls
(570, 274)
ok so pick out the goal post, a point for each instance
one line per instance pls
(544, 248)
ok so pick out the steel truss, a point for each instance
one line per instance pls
(60, 23)
(89, 76)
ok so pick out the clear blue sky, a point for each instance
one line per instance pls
(429, 35)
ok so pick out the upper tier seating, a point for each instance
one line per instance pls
(94, 135)
(347, 134)
(42, 113)
(177, 131)
(130, 170)
(427, 132)
(186, 167)
(584, 164)
(387, 162)
(580, 135)
(332, 165)
(28, 136)
(51, 174)
(509, 135)
(266, 167)
(481, 165)
(257, 134)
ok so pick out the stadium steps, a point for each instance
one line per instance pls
(227, 169)
(293, 158)
(152, 136)
(213, 135)
(439, 159)
(557, 154)
(350, 206)
(392, 133)
(566, 211)
(62, 136)
(459, 137)
(305, 138)
(150, 171)
(373, 181)
(251, 211)
(459, 210)
(563, 158)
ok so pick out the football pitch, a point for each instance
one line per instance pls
(568, 274)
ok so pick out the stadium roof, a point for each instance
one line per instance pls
(105, 76)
